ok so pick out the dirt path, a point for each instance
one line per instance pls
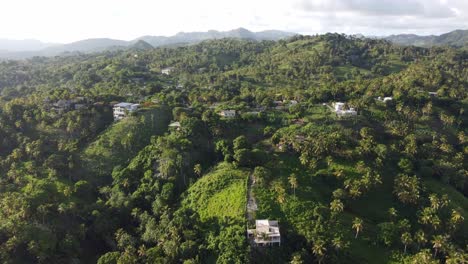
(251, 202)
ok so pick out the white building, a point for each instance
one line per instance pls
(228, 113)
(385, 99)
(339, 106)
(266, 233)
(121, 110)
(341, 111)
(167, 71)
(175, 125)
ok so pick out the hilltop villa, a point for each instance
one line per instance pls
(228, 113)
(266, 233)
(121, 110)
(167, 71)
(340, 110)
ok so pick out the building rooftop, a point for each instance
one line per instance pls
(124, 104)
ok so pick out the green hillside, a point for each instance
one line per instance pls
(357, 147)
(122, 141)
(219, 194)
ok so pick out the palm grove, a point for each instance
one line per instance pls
(388, 185)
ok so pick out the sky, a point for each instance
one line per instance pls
(63, 21)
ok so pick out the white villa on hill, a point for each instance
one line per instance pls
(385, 99)
(228, 113)
(167, 71)
(266, 233)
(341, 111)
(121, 110)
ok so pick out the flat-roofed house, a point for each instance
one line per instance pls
(121, 110)
(167, 71)
(341, 111)
(266, 233)
(228, 113)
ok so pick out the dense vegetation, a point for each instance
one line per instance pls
(389, 185)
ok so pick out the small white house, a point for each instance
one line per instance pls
(228, 113)
(266, 233)
(167, 71)
(341, 111)
(339, 106)
(175, 125)
(385, 99)
(121, 110)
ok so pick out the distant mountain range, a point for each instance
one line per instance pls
(19, 49)
(9, 48)
(456, 38)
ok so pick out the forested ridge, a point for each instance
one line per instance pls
(388, 185)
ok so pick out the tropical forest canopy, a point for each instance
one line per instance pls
(388, 185)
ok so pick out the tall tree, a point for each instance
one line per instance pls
(293, 182)
(357, 225)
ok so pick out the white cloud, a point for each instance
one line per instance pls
(70, 20)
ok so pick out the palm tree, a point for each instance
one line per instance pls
(357, 225)
(318, 248)
(420, 238)
(406, 239)
(393, 212)
(336, 206)
(437, 243)
(338, 243)
(293, 182)
(296, 259)
(339, 173)
(435, 203)
(197, 169)
(456, 217)
(426, 215)
(279, 189)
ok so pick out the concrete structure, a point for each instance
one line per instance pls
(62, 106)
(266, 233)
(385, 99)
(121, 110)
(175, 125)
(167, 71)
(341, 111)
(228, 113)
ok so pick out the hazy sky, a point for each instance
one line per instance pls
(70, 20)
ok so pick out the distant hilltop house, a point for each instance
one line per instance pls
(175, 125)
(121, 110)
(62, 106)
(432, 94)
(385, 99)
(341, 111)
(227, 113)
(167, 70)
(65, 105)
(266, 233)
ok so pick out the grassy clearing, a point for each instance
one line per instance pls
(220, 193)
(122, 140)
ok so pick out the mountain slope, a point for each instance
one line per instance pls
(22, 45)
(195, 37)
(141, 45)
(455, 38)
(102, 44)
